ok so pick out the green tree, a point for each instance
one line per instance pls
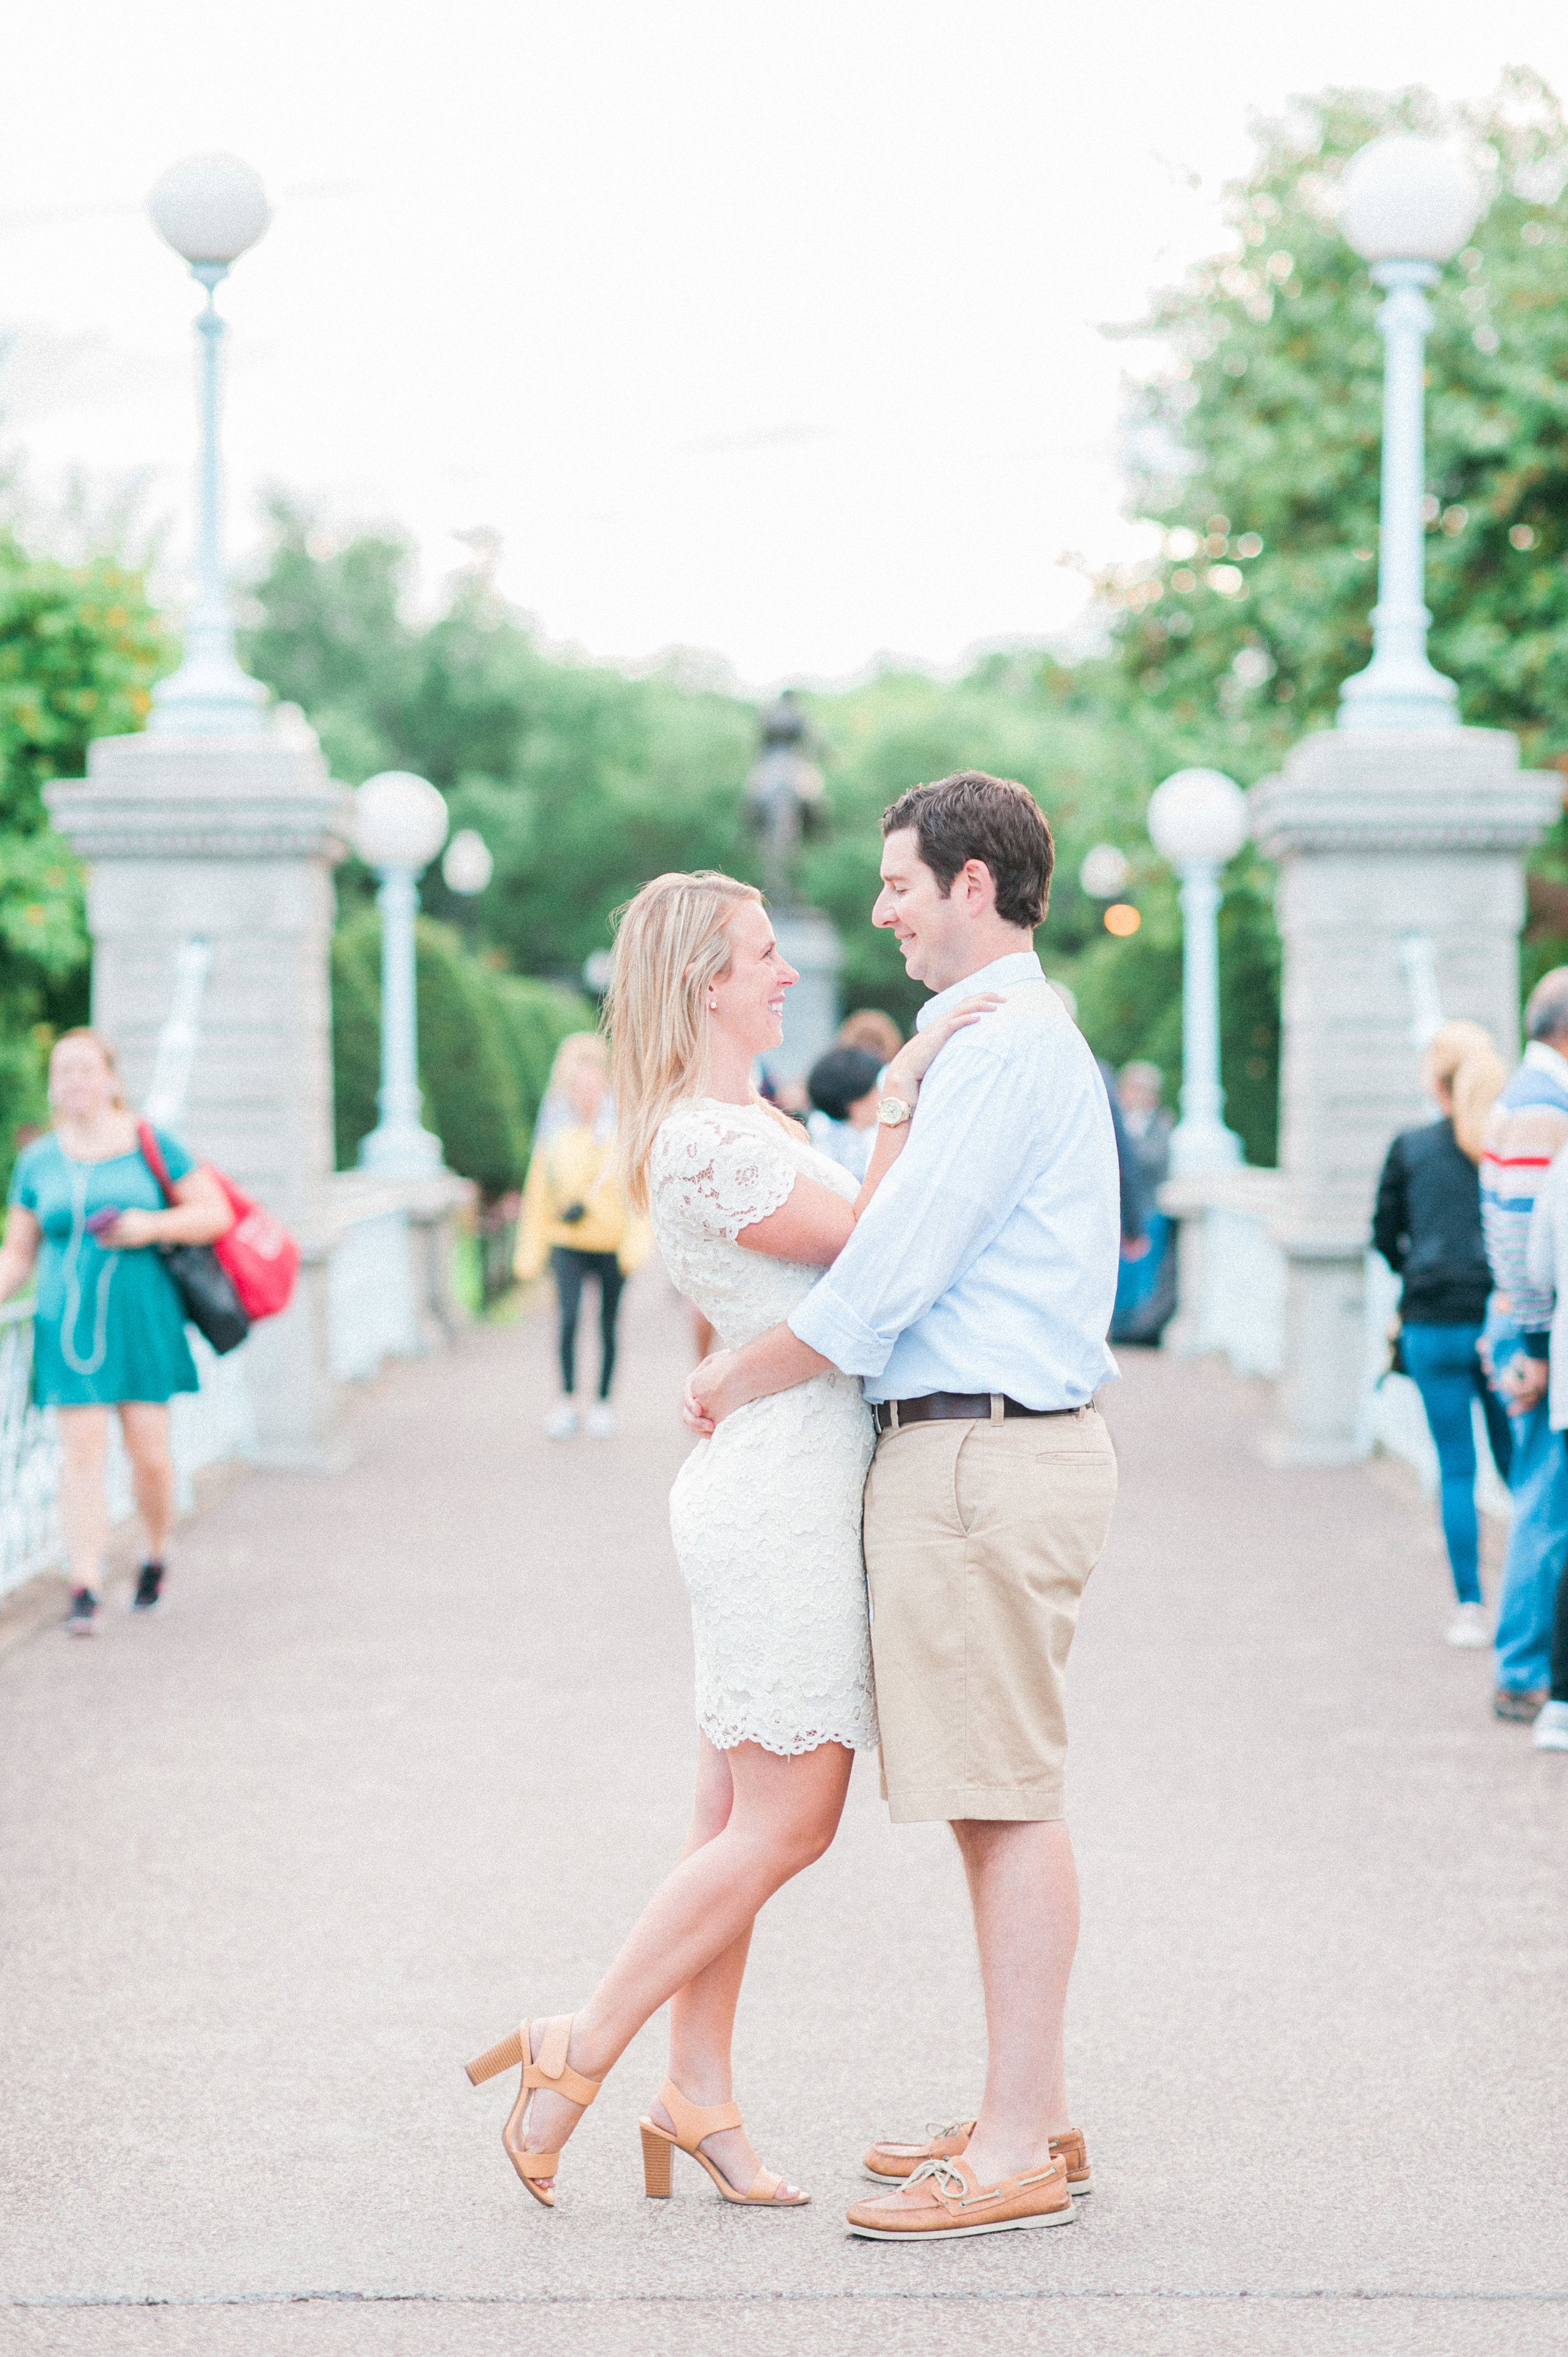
(80, 649)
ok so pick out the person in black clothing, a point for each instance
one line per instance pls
(1427, 1226)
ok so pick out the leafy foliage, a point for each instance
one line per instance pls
(486, 1042)
(80, 649)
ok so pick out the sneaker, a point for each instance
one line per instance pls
(149, 1588)
(1469, 1628)
(601, 1421)
(1520, 1706)
(80, 1620)
(1551, 1727)
(561, 1424)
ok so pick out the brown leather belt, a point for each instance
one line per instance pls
(972, 1406)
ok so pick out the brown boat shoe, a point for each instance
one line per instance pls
(894, 2164)
(942, 2201)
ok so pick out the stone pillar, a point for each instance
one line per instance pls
(1379, 836)
(233, 838)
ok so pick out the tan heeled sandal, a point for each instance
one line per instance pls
(692, 2123)
(553, 2070)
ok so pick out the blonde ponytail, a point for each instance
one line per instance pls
(1461, 1058)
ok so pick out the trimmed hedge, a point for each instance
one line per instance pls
(486, 1042)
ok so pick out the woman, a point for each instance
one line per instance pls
(574, 1216)
(109, 1329)
(1427, 1225)
(766, 1518)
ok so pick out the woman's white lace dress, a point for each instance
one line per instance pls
(765, 1515)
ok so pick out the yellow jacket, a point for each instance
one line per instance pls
(567, 1171)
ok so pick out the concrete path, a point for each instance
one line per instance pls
(411, 1744)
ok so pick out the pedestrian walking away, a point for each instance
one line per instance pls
(1547, 1268)
(972, 1299)
(766, 1521)
(1528, 1127)
(87, 1214)
(574, 1216)
(1427, 1226)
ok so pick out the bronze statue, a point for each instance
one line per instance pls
(786, 802)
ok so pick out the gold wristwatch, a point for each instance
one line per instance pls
(893, 1113)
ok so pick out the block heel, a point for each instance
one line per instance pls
(553, 2070)
(656, 2150)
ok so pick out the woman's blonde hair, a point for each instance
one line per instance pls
(578, 1048)
(96, 1039)
(1461, 1058)
(672, 942)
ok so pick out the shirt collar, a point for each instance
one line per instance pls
(1547, 1059)
(1002, 974)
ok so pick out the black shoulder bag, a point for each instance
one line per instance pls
(204, 1285)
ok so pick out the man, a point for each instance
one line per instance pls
(973, 1300)
(1528, 1126)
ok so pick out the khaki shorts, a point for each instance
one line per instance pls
(979, 1539)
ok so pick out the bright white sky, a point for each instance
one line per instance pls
(762, 327)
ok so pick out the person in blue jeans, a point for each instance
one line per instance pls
(1527, 1127)
(1427, 1226)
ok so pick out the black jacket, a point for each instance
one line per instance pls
(1427, 1225)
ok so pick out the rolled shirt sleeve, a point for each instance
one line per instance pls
(936, 1208)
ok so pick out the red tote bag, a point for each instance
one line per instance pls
(260, 1255)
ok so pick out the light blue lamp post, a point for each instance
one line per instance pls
(211, 210)
(1408, 205)
(400, 824)
(1198, 820)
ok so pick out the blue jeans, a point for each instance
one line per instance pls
(1537, 1541)
(1442, 1362)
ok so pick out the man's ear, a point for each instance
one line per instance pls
(980, 885)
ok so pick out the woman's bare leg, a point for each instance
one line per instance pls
(145, 1424)
(783, 1816)
(83, 1512)
(701, 2015)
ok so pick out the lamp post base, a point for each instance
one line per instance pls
(405, 1152)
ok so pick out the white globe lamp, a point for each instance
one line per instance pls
(1407, 200)
(1104, 872)
(468, 867)
(1407, 206)
(1198, 821)
(400, 824)
(399, 821)
(211, 209)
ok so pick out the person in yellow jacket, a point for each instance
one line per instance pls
(574, 1217)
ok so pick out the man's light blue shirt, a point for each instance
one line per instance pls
(987, 1259)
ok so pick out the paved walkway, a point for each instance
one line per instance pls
(410, 1746)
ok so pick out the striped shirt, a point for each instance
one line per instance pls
(1525, 1130)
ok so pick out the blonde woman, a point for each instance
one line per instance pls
(1427, 1225)
(574, 1216)
(109, 1330)
(766, 1518)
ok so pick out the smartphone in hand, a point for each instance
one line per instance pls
(97, 1223)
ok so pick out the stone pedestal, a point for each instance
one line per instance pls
(811, 943)
(1381, 838)
(233, 839)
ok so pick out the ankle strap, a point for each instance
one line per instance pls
(695, 2121)
(552, 2070)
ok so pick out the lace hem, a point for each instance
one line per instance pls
(725, 1736)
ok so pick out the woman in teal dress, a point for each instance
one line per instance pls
(109, 1327)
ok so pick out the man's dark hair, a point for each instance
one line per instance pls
(972, 815)
(841, 1078)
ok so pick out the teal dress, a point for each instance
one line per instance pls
(109, 1326)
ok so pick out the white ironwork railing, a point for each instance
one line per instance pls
(29, 1459)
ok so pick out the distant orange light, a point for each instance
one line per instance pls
(1122, 918)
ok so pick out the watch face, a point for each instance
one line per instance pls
(891, 1113)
